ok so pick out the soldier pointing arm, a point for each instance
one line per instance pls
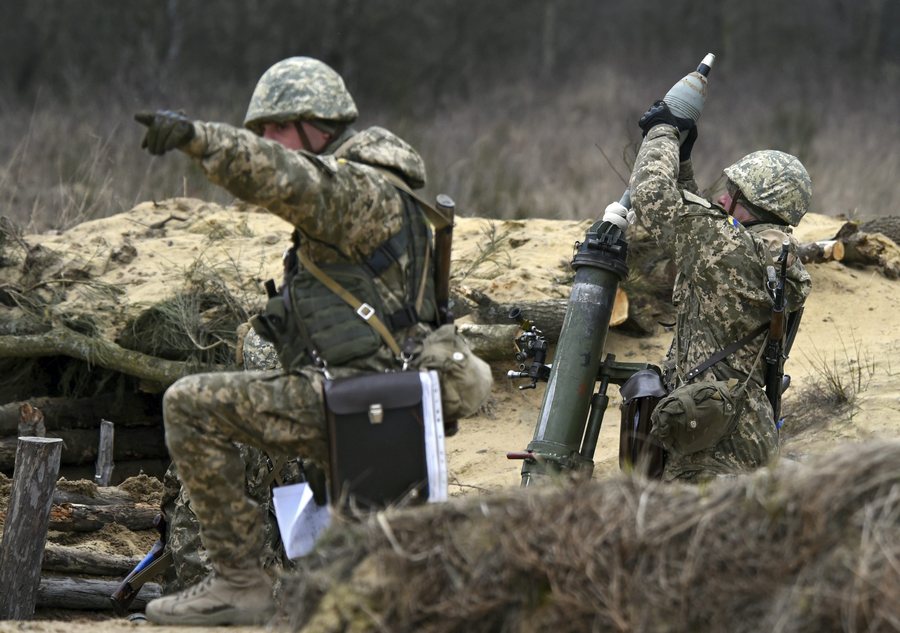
(349, 198)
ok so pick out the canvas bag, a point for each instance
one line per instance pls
(697, 416)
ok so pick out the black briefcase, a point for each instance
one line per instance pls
(376, 440)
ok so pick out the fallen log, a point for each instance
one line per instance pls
(61, 341)
(822, 251)
(105, 496)
(869, 249)
(888, 225)
(74, 560)
(81, 446)
(88, 594)
(490, 342)
(546, 315)
(74, 517)
(84, 413)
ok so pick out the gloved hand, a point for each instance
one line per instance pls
(166, 130)
(658, 113)
(684, 152)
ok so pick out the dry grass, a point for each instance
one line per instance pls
(798, 548)
(512, 151)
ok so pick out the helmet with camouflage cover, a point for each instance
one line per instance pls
(299, 88)
(774, 181)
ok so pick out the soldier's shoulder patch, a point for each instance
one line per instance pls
(695, 199)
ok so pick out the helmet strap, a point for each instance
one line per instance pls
(735, 198)
(303, 137)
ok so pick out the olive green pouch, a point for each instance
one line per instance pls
(466, 380)
(697, 416)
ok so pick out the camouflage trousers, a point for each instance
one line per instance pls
(206, 415)
(190, 562)
(753, 443)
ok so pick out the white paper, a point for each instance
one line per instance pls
(300, 519)
(435, 456)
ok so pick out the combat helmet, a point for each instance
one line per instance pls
(300, 88)
(775, 182)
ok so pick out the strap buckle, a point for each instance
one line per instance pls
(365, 311)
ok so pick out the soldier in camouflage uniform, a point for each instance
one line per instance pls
(721, 252)
(299, 159)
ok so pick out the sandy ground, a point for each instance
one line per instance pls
(851, 324)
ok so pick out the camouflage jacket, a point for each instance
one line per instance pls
(720, 289)
(343, 207)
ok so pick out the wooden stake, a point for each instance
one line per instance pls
(105, 454)
(25, 530)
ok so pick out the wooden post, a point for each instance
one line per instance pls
(105, 454)
(25, 530)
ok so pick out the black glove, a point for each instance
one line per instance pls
(658, 113)
(166, 130)
(684, 152)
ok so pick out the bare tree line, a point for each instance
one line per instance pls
(521, 107)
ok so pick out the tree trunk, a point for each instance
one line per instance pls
(823, 251)
(25, 527)
(490, 342)
(547, 315)
(88, 594)
(85, 413)
(81, 446)
(97, 351)
(74, 560)
(870, 249)
(104, 497)
(73, 517)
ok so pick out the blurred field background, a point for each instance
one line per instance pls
(521, 108)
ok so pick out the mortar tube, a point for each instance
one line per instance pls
(599, 267)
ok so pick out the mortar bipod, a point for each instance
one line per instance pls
(548, 457)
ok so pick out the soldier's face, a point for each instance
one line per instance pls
(288, 135)
(284, 133)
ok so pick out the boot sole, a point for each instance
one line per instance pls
(236, 617)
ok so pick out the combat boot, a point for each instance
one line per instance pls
(227, 596)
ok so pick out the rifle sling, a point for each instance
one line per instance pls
(728, 351)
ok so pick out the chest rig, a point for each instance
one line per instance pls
(343, 309)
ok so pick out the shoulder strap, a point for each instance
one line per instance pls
(728, 351)
(363, 309)
(690, 196)
(438, 219)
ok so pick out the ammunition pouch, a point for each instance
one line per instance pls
(638, 449)
(307, 314)
(696, 416)
(375, 437)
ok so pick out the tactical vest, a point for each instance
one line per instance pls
(395, 283)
